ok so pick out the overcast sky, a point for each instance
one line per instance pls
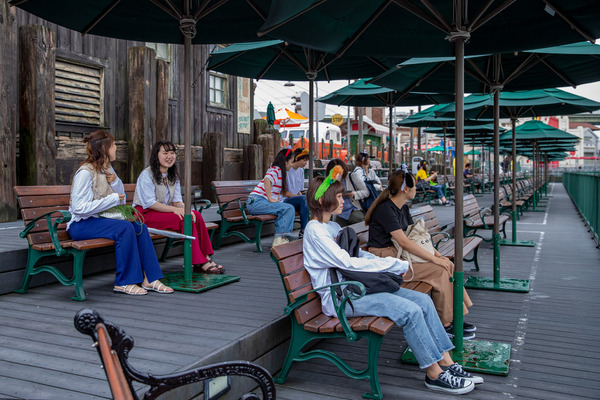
(281, 96)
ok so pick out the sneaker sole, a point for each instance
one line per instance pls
(476, 379)
(464, 390)
(466, 336)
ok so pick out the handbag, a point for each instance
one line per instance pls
(123, 212)
(375, 282)
(418, 233)
(366, 203)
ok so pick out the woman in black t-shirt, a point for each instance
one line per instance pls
(388, 218)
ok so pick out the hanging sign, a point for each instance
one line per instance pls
(337, 119)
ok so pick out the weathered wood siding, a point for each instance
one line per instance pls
(110, 55)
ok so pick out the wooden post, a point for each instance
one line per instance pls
(37, 49)
(266, 141)
(253, 162)
(8, 112)
(276, 141)
(260, 126)
(213, 161)
(142, 107)
(162, 100)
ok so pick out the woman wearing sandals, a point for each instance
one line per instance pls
(413, 311)
(158, 198)
(97, 188)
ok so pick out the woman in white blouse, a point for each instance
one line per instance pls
(158, 198)
(97, 188)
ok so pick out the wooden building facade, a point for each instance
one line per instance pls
(57, 85)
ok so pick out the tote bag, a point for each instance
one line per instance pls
(418, 233)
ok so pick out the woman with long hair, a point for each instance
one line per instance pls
(363, 170)
(388, 218)
(411, 310)
(266, 197)
(352, 212)
(295, 187)
(158, 198)
(97, 188)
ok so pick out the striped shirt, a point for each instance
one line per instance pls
(274, 175)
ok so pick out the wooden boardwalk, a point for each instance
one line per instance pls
(553, 329)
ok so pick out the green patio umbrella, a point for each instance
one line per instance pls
(567, 65)
(270, 114)
(278, 60)
(162, 21)
(519, 104)
(435, 28)
(363, 94)
(437, 148)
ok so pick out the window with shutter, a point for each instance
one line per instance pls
(79, 93)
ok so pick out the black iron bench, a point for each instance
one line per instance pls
(113, 346)
(44, 210)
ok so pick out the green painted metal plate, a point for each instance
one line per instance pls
(504, 285)
(522, 243)
(477, 356)
(199, 282)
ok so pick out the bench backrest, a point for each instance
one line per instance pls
(226, 191)
(35, 201)
(427, 214)
(470, 206)
(296, 279)
(39, 200)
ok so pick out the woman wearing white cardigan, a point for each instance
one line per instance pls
(352, 212)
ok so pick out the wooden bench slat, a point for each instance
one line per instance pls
(291, 264)
(41, 190)
(296, 280)
(308, 311)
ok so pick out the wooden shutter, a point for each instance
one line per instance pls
(79, 93)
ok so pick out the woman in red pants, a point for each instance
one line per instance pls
(158, 198)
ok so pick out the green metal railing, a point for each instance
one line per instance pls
(584, 189)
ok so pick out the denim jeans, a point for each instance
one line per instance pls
(299, 203)
(415, 311)
(439, 190)
(284, 224)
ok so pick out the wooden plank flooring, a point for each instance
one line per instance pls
(553, 329)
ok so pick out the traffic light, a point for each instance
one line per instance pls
(297, 103)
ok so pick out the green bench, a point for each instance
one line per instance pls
(44, 210)
(309, 323)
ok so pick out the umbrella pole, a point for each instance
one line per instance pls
(444, 165)
(391, 143)
(475, 355)
(311, 134)
(514, 241)
(495, 283)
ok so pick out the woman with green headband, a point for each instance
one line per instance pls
(413, 311)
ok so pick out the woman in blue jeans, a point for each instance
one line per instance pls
(97, 188)
(266, 197)
(411, 310)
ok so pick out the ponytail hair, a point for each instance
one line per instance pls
(398, 179)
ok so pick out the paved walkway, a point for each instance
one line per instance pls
(553, 329)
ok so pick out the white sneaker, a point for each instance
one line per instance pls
(279, 240)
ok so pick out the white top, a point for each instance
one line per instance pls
(146, 189)
(359, 173)
(321, 252)
(83, 205)
(295, 180)
(274, 175)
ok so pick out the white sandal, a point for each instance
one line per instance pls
(132, 290)
(159, 287)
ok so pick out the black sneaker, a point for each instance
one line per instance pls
(466, 335)
(458, 371)
(300, 235)
(449, 383)
(469, 327)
